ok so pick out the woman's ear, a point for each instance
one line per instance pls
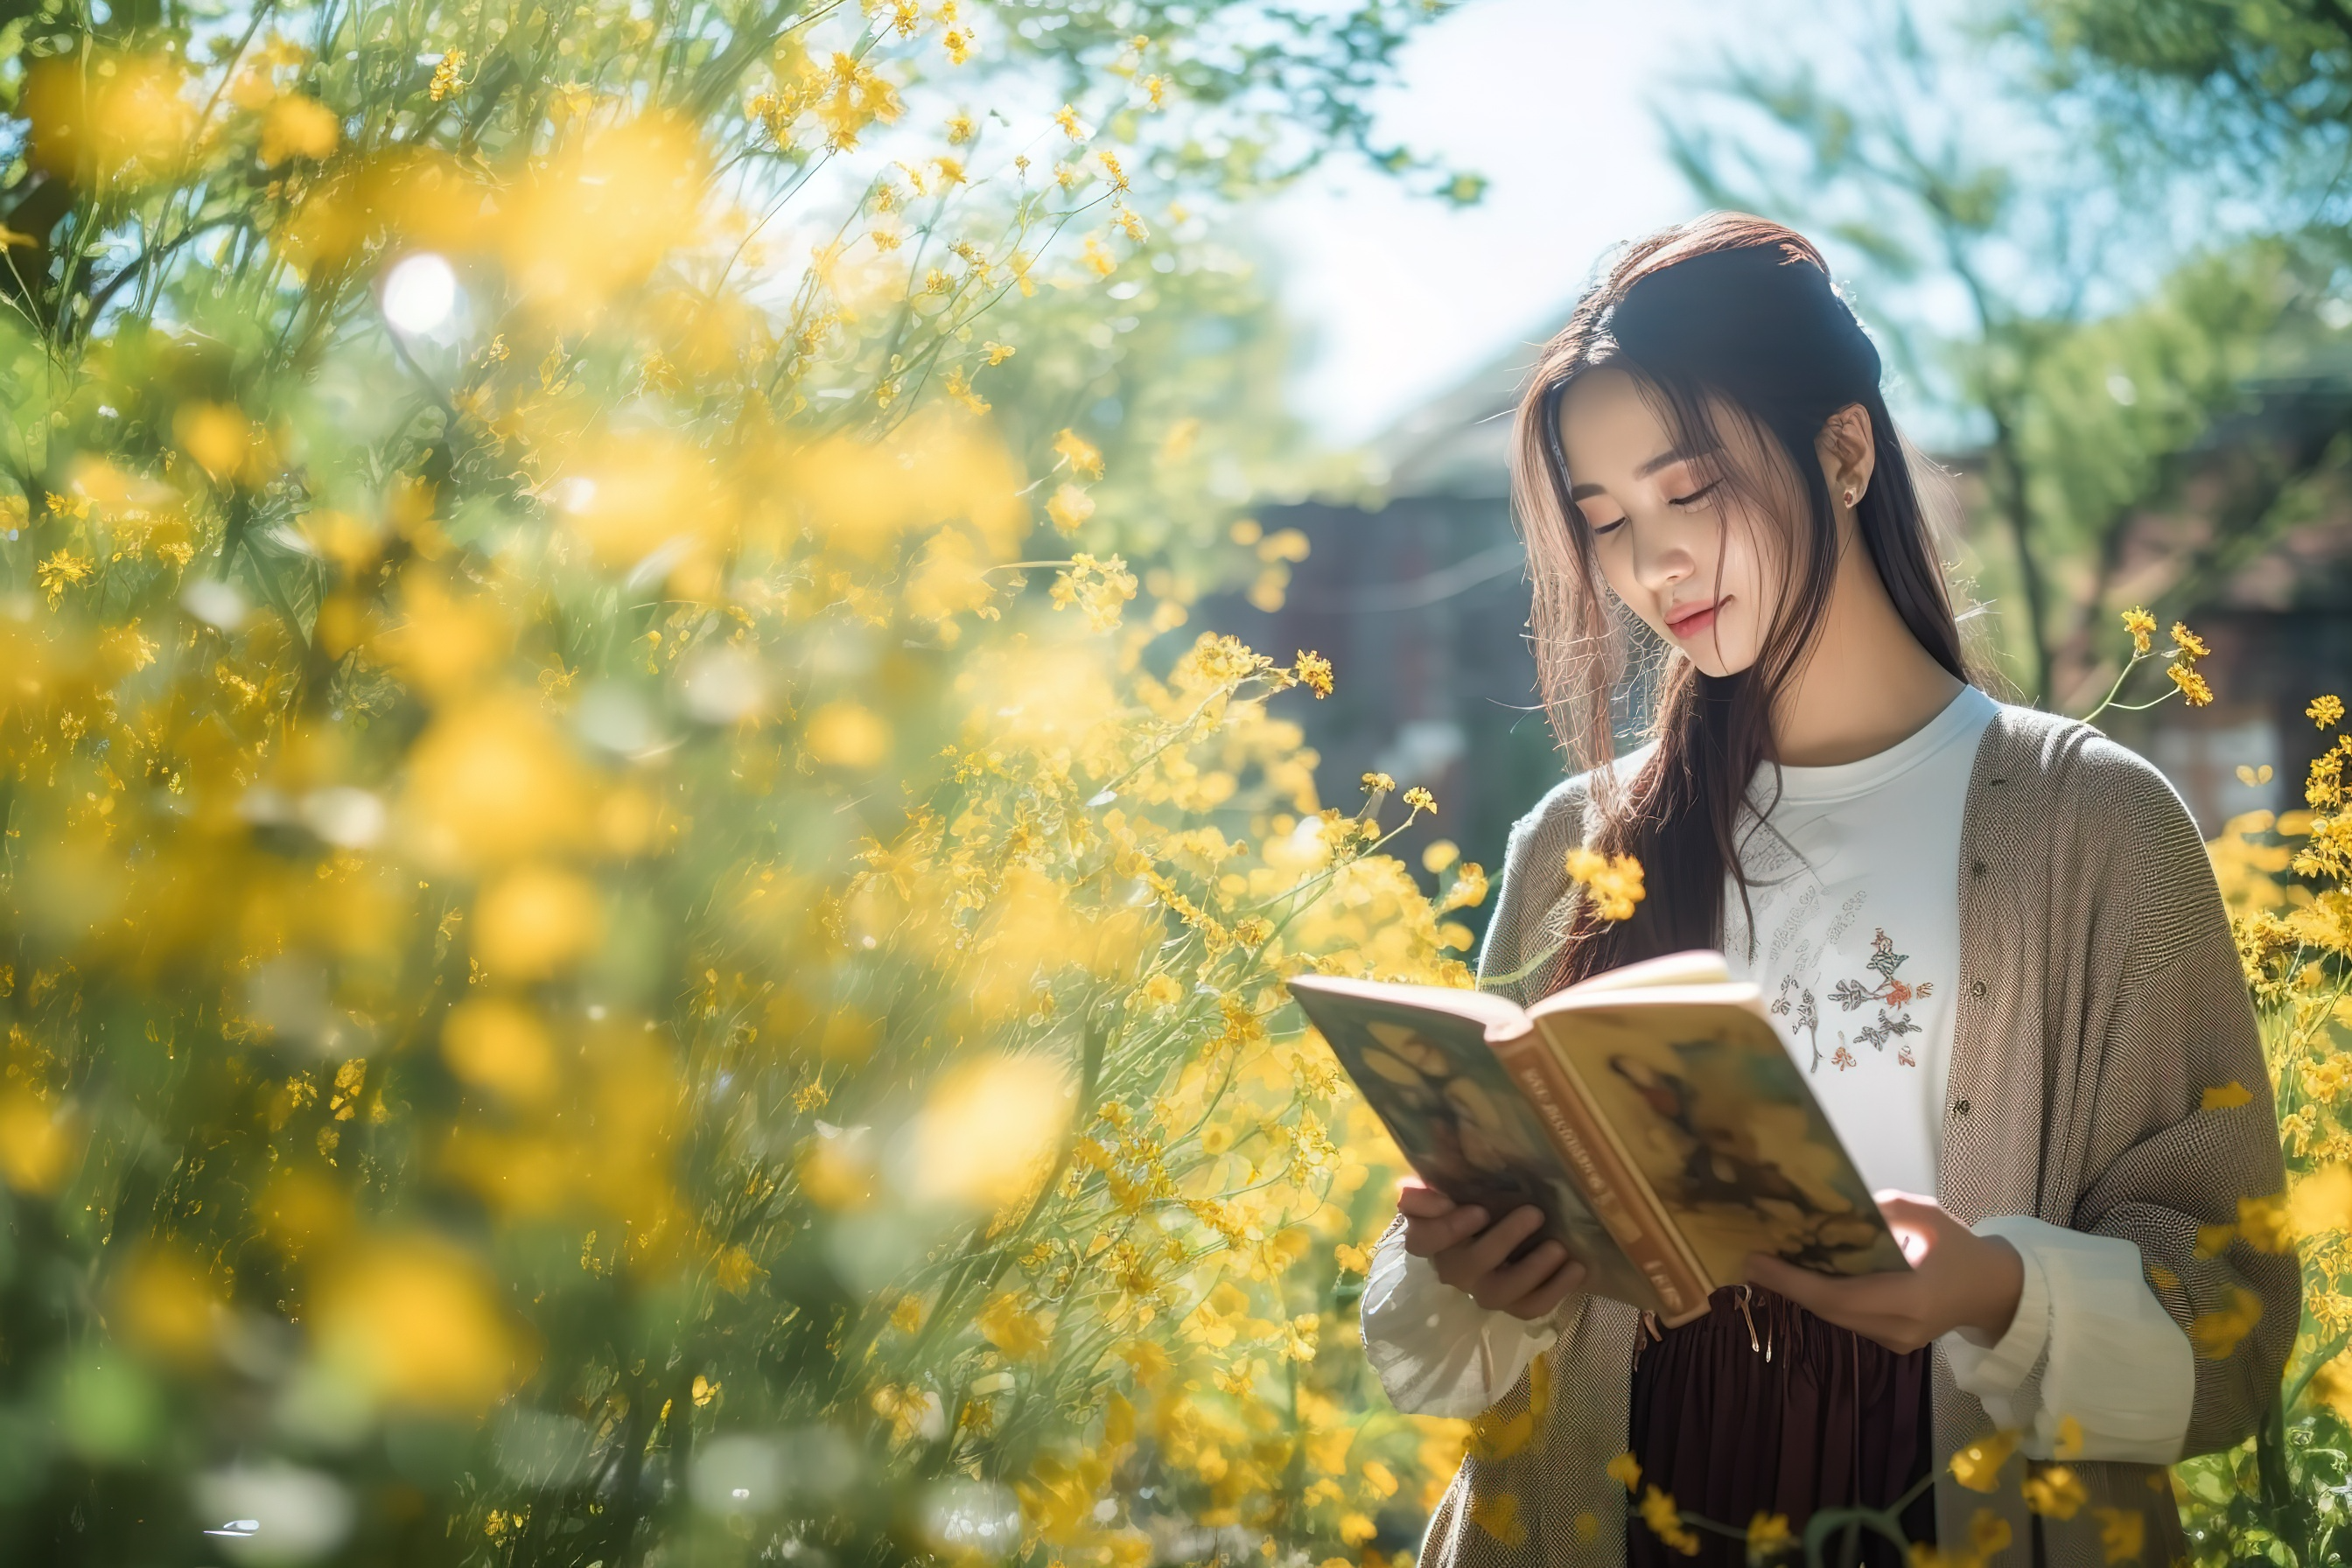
(1849, 453)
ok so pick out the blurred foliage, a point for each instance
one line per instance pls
(2261, 89)
(628, 928)
(2006, 273)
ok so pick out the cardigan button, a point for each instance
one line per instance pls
(1976, 988)
(1959, 1108)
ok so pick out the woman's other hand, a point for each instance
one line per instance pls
(1957, 1279)
(1472, 1255)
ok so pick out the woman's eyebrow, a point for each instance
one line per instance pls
(1642, 471)
(1664, 461)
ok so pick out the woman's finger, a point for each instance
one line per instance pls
(1503, 1288)
(1466, 1263)
(1816, 1293)
(1428, 1237)
(1419, 1200)
(1541, 1302)
(1485, 1253)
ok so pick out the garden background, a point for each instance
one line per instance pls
(675, 676)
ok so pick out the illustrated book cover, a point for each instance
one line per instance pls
(1650, 1112)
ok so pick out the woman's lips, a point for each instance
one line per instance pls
(1695, 622)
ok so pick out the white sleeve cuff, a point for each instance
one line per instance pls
(2089, 1344)
(2000, 1371)
(1437, 1351)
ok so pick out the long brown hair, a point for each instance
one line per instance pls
(1728, 317)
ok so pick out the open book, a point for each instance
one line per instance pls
(1650, 1112)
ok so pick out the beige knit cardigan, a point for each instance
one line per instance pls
(2099, 997)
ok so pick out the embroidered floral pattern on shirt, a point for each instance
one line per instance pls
(1801, 1014)
(1893, 995)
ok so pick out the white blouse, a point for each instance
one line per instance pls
(1853, 881)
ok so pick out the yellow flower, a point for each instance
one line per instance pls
(2142, 627)
(1098, 259)
(2324, 711)
(61, 572)
(1625, 1470)
(2193, 689)
(413, 1320)
(297, 126)
(2056, 1491)
(445, 74)
(960, 129)
(959, 388)
(1160, 991)
(1069, 508)
(2216, 1333)
(1097, 587)
(1315, 673)
(1977, 1466)
(2263, 1222)
(1613, 883)
(2187, 642)
(1768, 1536)
(2123, 1532)
(1083, 456)
(1497, 1515)
(2070, 1431)
(1011, 1328)
(847, 735)
(37, 1143)
(1987, 1533)
(1379, 783)
(2227, 1097)
(998, 352)
(1419, 799)
(1067, 117)
(1664, 1520)
(1469, 889)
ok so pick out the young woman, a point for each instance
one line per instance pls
(1989, 936)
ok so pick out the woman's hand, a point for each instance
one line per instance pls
(1957, 1279)
(1469, 1254)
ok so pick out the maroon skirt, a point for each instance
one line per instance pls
(1761, 1407)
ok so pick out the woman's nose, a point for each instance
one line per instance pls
(1661, 556)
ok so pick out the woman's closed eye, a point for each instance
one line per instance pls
(1696, 497)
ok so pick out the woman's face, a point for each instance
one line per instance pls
(1673, 540)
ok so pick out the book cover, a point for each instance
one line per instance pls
(1706, 1104)
(1456, 1114)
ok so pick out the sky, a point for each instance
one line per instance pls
(1399, 296)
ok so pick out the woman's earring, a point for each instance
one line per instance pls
(1849, 498)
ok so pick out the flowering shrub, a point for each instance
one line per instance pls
(2285, 880)
(627, 928)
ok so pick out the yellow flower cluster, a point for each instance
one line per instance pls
(1613, 883)
(2187, 681)
(613, 855)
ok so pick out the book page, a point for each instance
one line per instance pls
(1456, 1115)
(1707, 1106)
